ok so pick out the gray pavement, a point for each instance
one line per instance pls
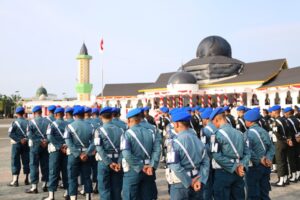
(292, 192)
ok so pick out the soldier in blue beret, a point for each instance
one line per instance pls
(107, 141)
(240, 124)
(39, 156)
(50, 116)
(58, 159)
(208, 130)
(69, 115)
(164, 121)
(116, 112)
(262, 152)
(282, 136)
(293, 150)
(79, 136)
(188, 163)
(230, 119)
(95, 118)
(19, 148)
(88, 119)
(139, 160)
(157, 149)
(231, 157)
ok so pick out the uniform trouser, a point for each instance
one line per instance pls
(109, 182)
(179, 192)
(298, 156)
(137, 186)
(57, 163)
(274, 158)
(19, 152)
(208, 187)
(75, 168)
(291, 156)
(228, 186)
(39, 157)
(281, 158)
(258, 181)
(94, 169)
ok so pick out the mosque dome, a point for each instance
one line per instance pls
(213, 46)
(41, 91)
(182, 78)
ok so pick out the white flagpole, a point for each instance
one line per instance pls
(102, 72)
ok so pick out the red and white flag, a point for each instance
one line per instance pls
(101, 45)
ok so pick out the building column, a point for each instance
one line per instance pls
(272, 98)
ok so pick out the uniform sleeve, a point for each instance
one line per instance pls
(12, 132)
(178, 169)
(98, 141)
(51, 138)
(156, 149)
(269, 147)
(204, 167)
(223, 160)
(246, 154)
(70, 142)
(29, 131)
(91, 148)
(126, 144)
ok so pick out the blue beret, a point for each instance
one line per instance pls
(133, 112)
(181, 116)
(188, 109)
(226, 108)
(59, 110)
(257, 109)
(78, 110)
(288, 109)
(252, 115)
(115, 110)
(216, 112)
(201, 110)
(105, 110)
(69, 110)
(36, 109)
(95, 110)
(20, 109)
(241, 108)
(52, 108)
(87, 109)
(275, 108)
(164, 109)
(197, 107)
(146, 108)
(174, 110)
(206, 113)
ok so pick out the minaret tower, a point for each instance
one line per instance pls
(83, 86)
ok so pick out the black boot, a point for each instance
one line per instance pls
(26, 181)
(31, 191)
(13, 184)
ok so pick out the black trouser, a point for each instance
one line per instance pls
(281, 158)
(297, 147)
(291, 155)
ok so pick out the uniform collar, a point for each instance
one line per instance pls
(225, 125)
(254, 125)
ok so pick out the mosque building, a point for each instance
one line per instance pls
(213, 78)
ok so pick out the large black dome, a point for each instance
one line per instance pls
(182, 78)
(213, 46)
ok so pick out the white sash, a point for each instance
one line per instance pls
(109, 140)
(230, 142)
(132, 133)
(77, 137)
(34, 123)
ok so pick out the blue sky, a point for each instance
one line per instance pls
(39, 40)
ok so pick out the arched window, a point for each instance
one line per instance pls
(254, 100)
(128, 104)
(119, 104)
(267, 100)
(288, 99)
(277, 99)
(139, 104)
(149, 103)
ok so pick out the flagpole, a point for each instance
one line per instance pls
(102, 71)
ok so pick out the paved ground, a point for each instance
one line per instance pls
(291, 192)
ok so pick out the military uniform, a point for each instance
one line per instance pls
(79, 139)
(19, 151)
(292, 154)
(57, 158)
(119, 123)
(69, 119)
(107, 142)
(196, 123)
(50, 116)
(240, 125)
(138, 150)
(148, 117)
(281, 132)
(229, 118)
(261, 146)
(39, 156)
(229, 149)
